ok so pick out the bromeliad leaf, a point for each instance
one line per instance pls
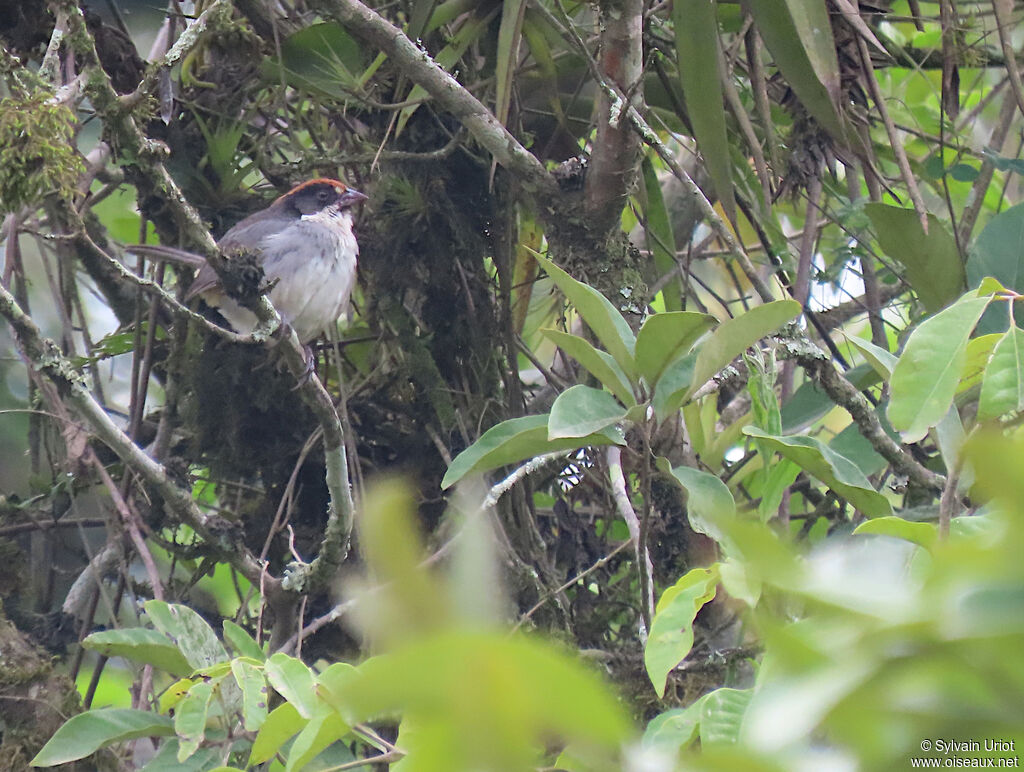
(598, 363)
(515, 440)
(836, 471)
(600, 315)
(698, 55)
(924, 380)
(666, 337)
(671, 636)
(581, 411)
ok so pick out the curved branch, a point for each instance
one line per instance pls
(446, 90)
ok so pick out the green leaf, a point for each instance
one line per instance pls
(924, 380)
(190, 719)
(931, 261)
(598, 363)
(661, 240)
(166, 760)
(323, 728)
(721, 716)
(922, 534)
(600, 315)
(671, 636)
(709, 504)
(836, 471)
(799, 36)
(255, 694)
(1002, 390)
(281, 725)
(882, 361)
(667, 337)
(998, 252)
(84, 734)
(515, 440)
(580, 411)
(528, 690)
(242, 642)
(323, 59)
(699, 61)
(195, 638)
(673, 386)
(293, 681)
(140, 644)
(509, 35)
(736, 335)
(675, 729)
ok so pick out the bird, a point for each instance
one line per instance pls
(308, 251)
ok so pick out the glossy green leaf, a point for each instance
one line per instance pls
(515, 440)
(699, 61)
(84, 734)
(979, 351)
(1002, 390)
(195, 638)
(882, 361)
(799, 36)
(190, 718)
(709, 503)
(283, 723)
(922, 534)
(324, 728)
(665, 338)
(598, 363)
(255, 694)
(673, 386)
(241, 642)
(140, 644)
(601, 316)
(661, 240)
(293, 680)
(837, 472)
(580, 411)
(671, 635)
(931, 261)
(924, 380)
(734, 336)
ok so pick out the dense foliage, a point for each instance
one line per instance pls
(684, 376)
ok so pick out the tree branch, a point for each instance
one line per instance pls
(444, 88)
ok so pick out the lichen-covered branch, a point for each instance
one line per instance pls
(818, 365)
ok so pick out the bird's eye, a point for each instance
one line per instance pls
(324, 196)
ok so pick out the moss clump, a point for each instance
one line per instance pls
(37, 152)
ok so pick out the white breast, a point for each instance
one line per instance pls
(314, 265)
